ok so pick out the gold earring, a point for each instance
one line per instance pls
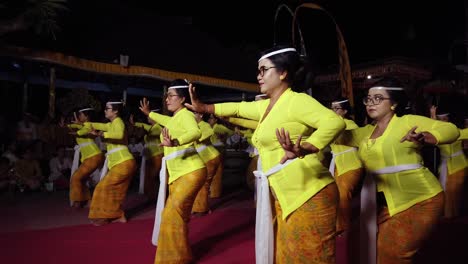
(281, 77)
(392, 107)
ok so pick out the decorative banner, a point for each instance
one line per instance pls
(117, 69)
(345, 69)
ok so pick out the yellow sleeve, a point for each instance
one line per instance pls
(252, 124)
(310, 112)
(206, 130)
(75, 126)
(160, 119)
(463, 133)
(220, 129)
(444, 132)
(154, 130)
(350, 124)
(146, 127)
(190, 125)
(249, 110)
(99, 126)
(116, 131)
(84, 130)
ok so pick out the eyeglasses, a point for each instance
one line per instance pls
(335, 108)
(107, 108)
(376, 100)
(261, 71)
(171, 95)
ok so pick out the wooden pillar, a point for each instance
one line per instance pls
(52, 79)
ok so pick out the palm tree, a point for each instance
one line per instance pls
(38, 15)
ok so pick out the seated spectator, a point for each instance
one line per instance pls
(60, 166)
(11, 153)
(28, 171)
(6, 180)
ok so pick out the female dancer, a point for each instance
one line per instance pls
(305, 194)
(187, 175)
(110, 192)
(407, 201)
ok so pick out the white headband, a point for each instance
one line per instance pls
(339, 102)
(276, 52)
(444, 114)
(114, 102)
(178, 87)
(155, 110)
(85, 109)
(386, 88)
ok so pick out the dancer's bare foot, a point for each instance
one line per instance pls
(121, 219)
(100, 221)
(200, 214)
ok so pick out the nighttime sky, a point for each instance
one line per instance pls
(224, 41)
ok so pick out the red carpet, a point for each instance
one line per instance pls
(225, 236)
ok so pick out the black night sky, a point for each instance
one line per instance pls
(222, 39)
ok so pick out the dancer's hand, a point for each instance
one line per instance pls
(95, 132)
(144, 106)
(166, 141)
(291, 151)
(197, 105)
(412, 136)
(76, 120)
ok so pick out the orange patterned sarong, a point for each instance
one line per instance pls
(110, 192)
(346, 185)
(308, 234)
(216, 187)
(173, 245)
(400, 236)
(454, 193)
(201, 202)
(249, 176)
(153, 166)
(79, 192)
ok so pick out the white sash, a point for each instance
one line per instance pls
(201, 148)
(106, 161)
(141, 187)
(443, 168)
(162, 191)
(368, 214)
(264, 236)
(332, 162)
(218, 144)
(76, 156)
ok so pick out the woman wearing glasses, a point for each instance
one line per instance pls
(399, 195)
(118, 169)
(345, 166)
(187, 175)
(292, 128)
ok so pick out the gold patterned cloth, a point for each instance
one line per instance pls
(152, 168)
(173, 245)
(400, 236)
(110, 192)
(308, 234)
(346, 183)
(201, 201)
(453, 193)
(79, 192)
